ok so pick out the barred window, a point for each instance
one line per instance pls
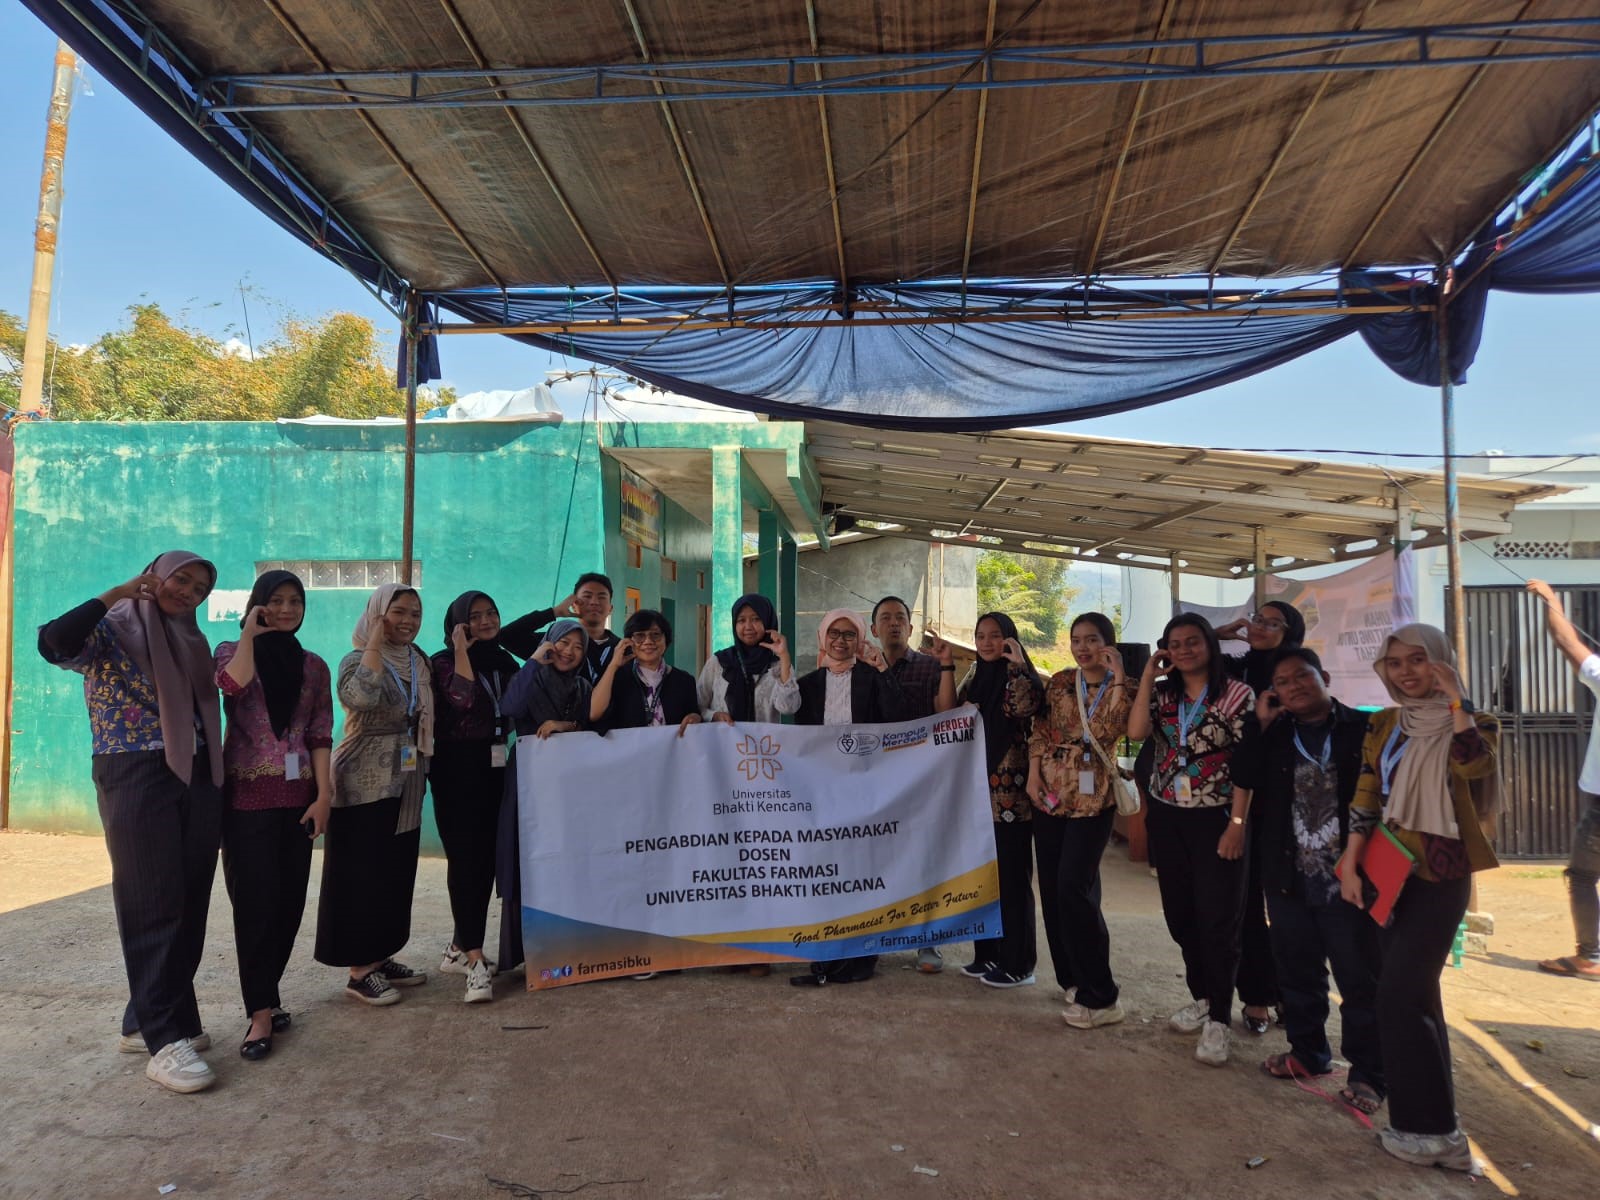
(363, 574)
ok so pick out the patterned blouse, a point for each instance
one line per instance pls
(253, 756)
(1058, 742)
(123, 713)
(1008, 782)
(1208, 750)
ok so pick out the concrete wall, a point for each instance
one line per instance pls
(514, 510)
(856, 574)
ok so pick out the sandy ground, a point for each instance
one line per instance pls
(711, 1085)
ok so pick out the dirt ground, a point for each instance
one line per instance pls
(712, 1085)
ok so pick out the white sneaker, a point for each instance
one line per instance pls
(1072, 995)
(132, 1043)
(1214, 1042)
(1079, 1017)
(455, 962)
(1447, 1150)
(929, 960)
(178, 1067)
(1191, 1017)
(480, 984)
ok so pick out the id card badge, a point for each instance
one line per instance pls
(1051, 801)
(408, 757)
(1085, 783)
(497, 754)
(1180, 789)
(291, 765)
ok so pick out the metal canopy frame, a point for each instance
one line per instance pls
(792, 77)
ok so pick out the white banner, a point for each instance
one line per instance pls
(643, 851)
(1348, 618)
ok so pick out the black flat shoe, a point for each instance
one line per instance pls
(281, 1020)
(1256, 1025)
(255, 1049)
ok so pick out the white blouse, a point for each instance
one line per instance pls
(836, 705)
(772, 698)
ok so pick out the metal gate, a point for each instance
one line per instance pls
(1518, 673)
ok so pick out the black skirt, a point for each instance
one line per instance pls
(368, 874)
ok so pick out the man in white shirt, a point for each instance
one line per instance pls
(1583, 868)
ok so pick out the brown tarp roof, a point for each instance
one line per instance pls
(1265, 175)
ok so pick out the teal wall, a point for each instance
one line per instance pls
(513, 510)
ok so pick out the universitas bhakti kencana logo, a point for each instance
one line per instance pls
(759, 757)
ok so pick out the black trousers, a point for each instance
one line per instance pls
(1069, 850)
(1411, 1025)
(467, 795)
(1257, 979)
(1306, 940)
(1583, 875)
(266, 861)
(1202, 897)
(162, 835)
(508, 871)
(1016, 949)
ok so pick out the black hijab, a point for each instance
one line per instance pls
(280, 661)
(742, 665)
(486, 657)
(987, 689)
(1255, 666)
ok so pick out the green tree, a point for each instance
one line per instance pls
(1032, 590)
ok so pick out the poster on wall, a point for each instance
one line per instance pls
(646, 851)
(641, 511)
(1348, 618)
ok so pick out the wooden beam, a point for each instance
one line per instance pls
(977, 157)
(827, 148)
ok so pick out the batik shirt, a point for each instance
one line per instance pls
(1206, 755)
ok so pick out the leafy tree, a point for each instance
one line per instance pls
(158, 369)
(1032, 590)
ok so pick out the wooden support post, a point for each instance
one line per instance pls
(1260, 580)
(788, 592)
(1176, 579)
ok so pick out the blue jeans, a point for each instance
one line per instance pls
(1306, 939)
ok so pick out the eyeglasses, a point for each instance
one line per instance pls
(848, 635)
(650, 637)
(1270, 624)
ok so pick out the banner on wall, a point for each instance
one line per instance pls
(643, 851)
(1348, 618)
(640, 507)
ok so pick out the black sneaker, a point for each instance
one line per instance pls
(977, 970)
(400, 975)
(372, 988)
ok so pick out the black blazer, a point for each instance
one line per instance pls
(1265, 762)
(875, 696)
(678, 700)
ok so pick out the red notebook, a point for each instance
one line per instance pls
(1385, 866)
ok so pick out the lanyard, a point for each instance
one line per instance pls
(1391, 756)
(1189, 716)
(411, 669)
(652, 695)
(495, 691)
(1321, 762)
(1098, 696)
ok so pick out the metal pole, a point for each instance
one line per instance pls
(44, 232)
(1260, 593)
(1177, 604)
(1452, 500)
(409, 518)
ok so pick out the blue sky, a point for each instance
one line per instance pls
(143, 221)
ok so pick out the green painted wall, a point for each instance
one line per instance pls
(516, 511)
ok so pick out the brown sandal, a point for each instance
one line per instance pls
(1362, 1097)
(1287, 1066)
(1572, 967)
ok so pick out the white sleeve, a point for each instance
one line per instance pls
(1589, 673)
(785, 696)
(713, 698)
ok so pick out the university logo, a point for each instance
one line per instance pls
(851, 742)
(759, 757)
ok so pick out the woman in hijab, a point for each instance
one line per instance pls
(1430, 774)
(467, 775)
(157, 764)
(1275, 626)
(1004, 685)
(753, 679)
(278, 788)
(551, 694)
(369, 864)
(852, 687)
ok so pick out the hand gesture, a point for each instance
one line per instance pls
(1268, 706)
(691, 719)
(1545, 592)
(552, 727)
(317, 814)
(778, 644)
(1231, 844)
(1446, 680)
(543, 653)
(942, 650)
(1011, 651)
(568, 607)
(1035, 784)
(460, 639)
(140, 587)
(254, 622)
(1112, 658)
(1160, 664)
(623, 654)
(375, 634)
(873, 657)
(1233, 630)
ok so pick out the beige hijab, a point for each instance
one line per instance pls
(402, 660)
(824, 659)
(174, 653)
(1419, 794)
